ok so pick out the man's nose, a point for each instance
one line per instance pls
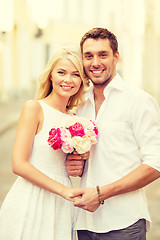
(96, 61)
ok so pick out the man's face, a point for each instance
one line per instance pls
(99, 61)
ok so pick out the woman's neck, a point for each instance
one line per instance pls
(56, 102)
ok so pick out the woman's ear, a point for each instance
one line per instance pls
(50, 77)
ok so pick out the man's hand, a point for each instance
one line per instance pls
(75, 163)
(89, 199)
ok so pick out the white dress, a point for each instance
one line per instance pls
(30, 212)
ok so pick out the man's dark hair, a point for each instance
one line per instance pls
(102, 33)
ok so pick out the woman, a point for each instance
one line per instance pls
(36, 207)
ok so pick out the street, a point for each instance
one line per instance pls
(7, 178)
(6, 175)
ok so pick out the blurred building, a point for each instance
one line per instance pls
(31, 30)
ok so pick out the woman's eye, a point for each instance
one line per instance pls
(60, 72)
(76, 75)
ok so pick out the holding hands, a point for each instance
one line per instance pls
(85, 198)
(88, 201)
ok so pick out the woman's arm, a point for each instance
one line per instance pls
(30, 123)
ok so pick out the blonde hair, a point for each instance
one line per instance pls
(45, 84)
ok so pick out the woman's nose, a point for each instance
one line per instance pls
(67, 78)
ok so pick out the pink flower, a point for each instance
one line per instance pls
(77, 129)
(67, 143)
(68, 146)
(95, 129)
(54, 139)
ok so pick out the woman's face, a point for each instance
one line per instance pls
(65, 78)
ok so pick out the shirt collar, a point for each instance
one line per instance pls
(116, 83)
(89, 93)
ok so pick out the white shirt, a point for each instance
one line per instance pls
(129, 135)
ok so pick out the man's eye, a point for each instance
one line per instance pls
(88, 56)
(103, 55)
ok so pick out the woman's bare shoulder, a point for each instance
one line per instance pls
(32, 105)
(31, 108)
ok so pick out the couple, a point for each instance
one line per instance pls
(111, 200)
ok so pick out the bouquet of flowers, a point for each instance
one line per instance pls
(73, 133)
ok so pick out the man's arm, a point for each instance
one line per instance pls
(138, 178)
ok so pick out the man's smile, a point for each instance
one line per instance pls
(97, 72)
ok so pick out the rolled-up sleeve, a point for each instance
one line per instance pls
(146, 129)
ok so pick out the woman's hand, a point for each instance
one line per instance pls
(70, 194)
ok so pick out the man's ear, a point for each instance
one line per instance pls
(116, 57)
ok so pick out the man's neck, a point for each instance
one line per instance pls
(98, 97)
(99, 88)
(98, 91)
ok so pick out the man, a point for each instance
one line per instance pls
(127, 155)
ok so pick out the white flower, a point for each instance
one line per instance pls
(82, 144)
